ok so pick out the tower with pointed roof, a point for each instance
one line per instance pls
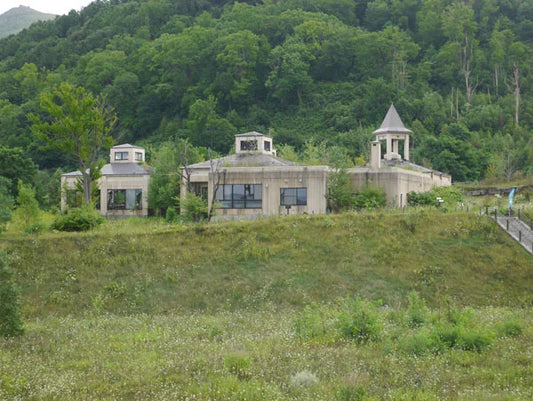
(392, 131)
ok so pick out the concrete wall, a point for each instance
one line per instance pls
(272, 179)
(106, 183)
(398, 182)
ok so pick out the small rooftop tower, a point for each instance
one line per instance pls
(393, 131)
(254, 142)
(126, 153)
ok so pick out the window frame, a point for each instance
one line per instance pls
(120, 155)
(127, 194)
(138, 156)
(286, 199)
(240, 196)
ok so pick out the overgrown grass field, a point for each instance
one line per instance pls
(276, 309)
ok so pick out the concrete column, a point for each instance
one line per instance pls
(395, 145)
(406, 148)
(103, 198)
(389, 148)
(375, 154)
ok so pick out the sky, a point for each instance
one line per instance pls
(59, 7)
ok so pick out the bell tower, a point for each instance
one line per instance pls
(392, 131)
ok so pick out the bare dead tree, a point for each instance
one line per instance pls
(514, 88)
(216, 177)
(466, 59)
(186, 170)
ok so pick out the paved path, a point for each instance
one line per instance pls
(517, 229)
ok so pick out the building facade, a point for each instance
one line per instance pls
(254, 182)
(123, 185)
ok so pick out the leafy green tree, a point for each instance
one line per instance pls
(289, 74)
(194, 207)
(239, 63)
(208, 128)
(167, 161)
(10, 319)
(340, 193)
(6, 202)
(27, 205)
(16, 165)
(78, 124)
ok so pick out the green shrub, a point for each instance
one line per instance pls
(509, 328)
(172, 215)
(360, 322)
(422, 199)
(417, 311)
(370, 198)
(311, 324)
(35, 228)
(351, 393)
(447, 334)
(237, 363)
(418, 344)
(10, 319)
(194, 208)
(474, 340)
(80, 219)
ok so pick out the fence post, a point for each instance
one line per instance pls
(507, 224)
(518, 214)
(486, 210)
(519, 236)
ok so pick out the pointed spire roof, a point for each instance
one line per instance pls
(392, 123)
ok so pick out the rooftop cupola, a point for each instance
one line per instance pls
(254, 142)
(393, 131)
(127, 153)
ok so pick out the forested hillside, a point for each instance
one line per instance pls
(305, 71)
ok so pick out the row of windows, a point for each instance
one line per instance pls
(125, 156)
(250, 196)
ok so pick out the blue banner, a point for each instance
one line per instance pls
(511, 196)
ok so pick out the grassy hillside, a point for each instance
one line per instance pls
(284, 262)
(265, 311)
(16, 19)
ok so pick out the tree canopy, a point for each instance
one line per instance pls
(319, 70)
(78, 124)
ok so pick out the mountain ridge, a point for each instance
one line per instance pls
(18, 18)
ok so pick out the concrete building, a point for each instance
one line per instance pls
(123, 185)
(254, 182)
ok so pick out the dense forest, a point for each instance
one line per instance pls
(312, 73)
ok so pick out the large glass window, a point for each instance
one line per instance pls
(124, 199)
(138, 156)
(240, 196)
(121, 155)
(293, 196)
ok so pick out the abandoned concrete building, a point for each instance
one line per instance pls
(123, 185)
(254, 182)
